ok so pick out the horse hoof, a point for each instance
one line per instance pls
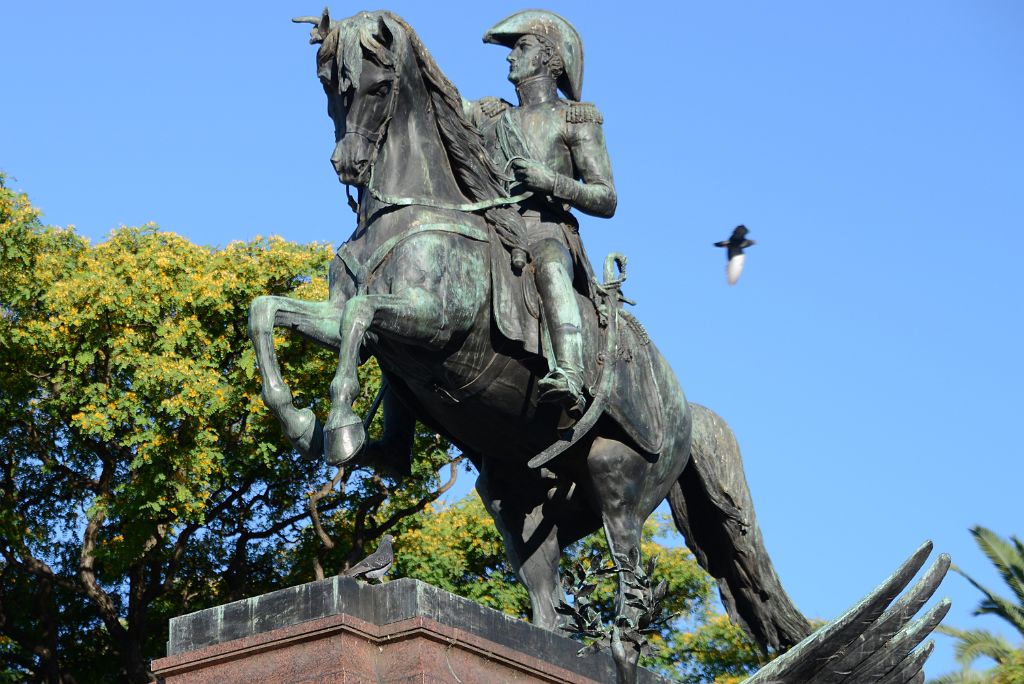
(343, 443)
(306, 433)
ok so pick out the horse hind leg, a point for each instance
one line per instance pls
(315, 321)
(712, 507)
(618, 475)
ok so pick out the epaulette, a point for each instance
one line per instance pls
(583, 112)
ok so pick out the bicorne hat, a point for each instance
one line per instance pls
(557, 30)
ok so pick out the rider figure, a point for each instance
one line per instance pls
(555, 149)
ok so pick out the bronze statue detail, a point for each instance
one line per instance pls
(555, 151)
(588, 430)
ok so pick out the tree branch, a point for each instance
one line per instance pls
(314, 514)
(394, 518)
(46, 456)
(181, 543)
(35, 566)
(87, 561)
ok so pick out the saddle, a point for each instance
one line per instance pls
(620, 362)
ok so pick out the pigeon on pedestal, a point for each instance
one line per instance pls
(376, 565)
(735, 245)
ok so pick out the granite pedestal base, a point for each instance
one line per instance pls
(337, 630)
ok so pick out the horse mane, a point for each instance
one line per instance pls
(475, 173)
(477, 176)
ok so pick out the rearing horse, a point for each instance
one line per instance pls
(413, 287)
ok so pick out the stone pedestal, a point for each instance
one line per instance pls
(337, 630)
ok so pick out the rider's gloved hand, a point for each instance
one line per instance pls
(533, 175)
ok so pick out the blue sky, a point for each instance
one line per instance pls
(869, 359)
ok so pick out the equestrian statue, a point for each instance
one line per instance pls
(466, 278)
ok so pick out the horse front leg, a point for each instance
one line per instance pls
(316, 321)
(518, 502)
(414, 316)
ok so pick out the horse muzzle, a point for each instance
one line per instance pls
(351, 160)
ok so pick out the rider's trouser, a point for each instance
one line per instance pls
(553, 268)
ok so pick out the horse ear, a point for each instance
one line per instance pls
(384, 36)
(324, 27)
(321, 26)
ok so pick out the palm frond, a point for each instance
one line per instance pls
(1004, 608)
(1009, 562)
(994, 604)
(979, 643)
(971, 644)
(1018, 544)
(1008, 558)
(963, 677)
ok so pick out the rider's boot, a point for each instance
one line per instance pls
(564, 384)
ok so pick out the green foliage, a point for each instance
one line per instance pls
(142, 476)
(972, 644)
(1011, 669)
(718, 651)
(458, 548)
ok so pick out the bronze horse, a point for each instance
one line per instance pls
(414, 286)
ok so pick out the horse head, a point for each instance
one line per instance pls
(359, 64)
(378, 76)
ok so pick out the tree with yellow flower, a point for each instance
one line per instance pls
(142, 476)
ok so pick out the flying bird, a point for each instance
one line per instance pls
(735, 245)
(376, 565)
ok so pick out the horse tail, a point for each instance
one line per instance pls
(712, 507)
